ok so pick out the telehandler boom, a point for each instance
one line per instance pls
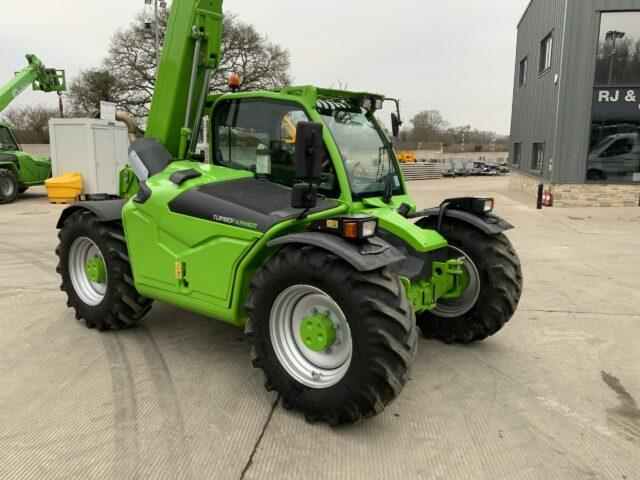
(315, 247)
(36, 75)
(19, 170)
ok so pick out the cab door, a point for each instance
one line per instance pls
(258, 135)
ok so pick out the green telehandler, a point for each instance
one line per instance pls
(312, 243)
(18, 169)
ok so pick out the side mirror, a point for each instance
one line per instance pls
(395, 125)
(309, 144)
(304, 196)
(309, 151)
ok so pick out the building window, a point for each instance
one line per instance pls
(618, 61)
(614, 153)
(614, 156)
(546, 53)
(522, 75)
(537, 159)
(516, 154)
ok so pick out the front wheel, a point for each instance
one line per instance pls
(493, 293)
(334, 342)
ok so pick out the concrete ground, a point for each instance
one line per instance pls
(551, 396)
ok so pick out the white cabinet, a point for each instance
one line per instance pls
(98, 149)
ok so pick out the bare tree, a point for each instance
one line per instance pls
(92, 86)
(260, 64)
(428, 126)
(31, 123)
(459, 134)
(129, 71)
(342, 84)
(132, 61)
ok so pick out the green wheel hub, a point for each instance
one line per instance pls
(96, 271)
(317, 332)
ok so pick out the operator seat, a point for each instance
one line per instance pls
(147, 156)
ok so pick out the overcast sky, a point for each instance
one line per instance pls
(456, 56)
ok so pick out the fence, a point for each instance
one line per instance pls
(422, 171)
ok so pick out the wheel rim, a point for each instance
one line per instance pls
(6, 187)
(321, 369)
(456, 307)
(84, 251)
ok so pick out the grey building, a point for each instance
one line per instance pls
(576, 102)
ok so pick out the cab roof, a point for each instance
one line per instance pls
(313, 94)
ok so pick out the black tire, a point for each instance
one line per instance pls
(122, 306)
(382, 324)
(501, 284)
(9, 187)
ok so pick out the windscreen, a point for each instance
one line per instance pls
(367, 156)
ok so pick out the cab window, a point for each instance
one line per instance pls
(259, 135)
(6, 140)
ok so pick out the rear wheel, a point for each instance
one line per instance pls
(9, 187)
(334, 342)
(495, 286)
(96, 274)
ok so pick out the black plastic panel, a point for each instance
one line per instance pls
(184, 175)
(246, 203)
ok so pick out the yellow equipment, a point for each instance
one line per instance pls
(290, 128)
(65, 188)
(406, 156)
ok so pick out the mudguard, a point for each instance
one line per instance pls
(106, 211)
(369, 255)
(11, 163)
(489, 223)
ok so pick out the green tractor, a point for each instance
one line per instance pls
(311, 243)
(19, 170)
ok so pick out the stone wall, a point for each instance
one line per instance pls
(579, 195)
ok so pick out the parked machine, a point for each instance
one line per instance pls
(448, 169)
(460, 169)
(480, 168)
(314, 246)
(503, 167)
(406, 156)
(19, 170)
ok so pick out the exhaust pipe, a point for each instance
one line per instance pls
(128, 121)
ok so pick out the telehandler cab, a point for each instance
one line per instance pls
(311, 243)
(19, 170)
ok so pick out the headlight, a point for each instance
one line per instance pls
(369, 228)
(482, 205)
(355, 227)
